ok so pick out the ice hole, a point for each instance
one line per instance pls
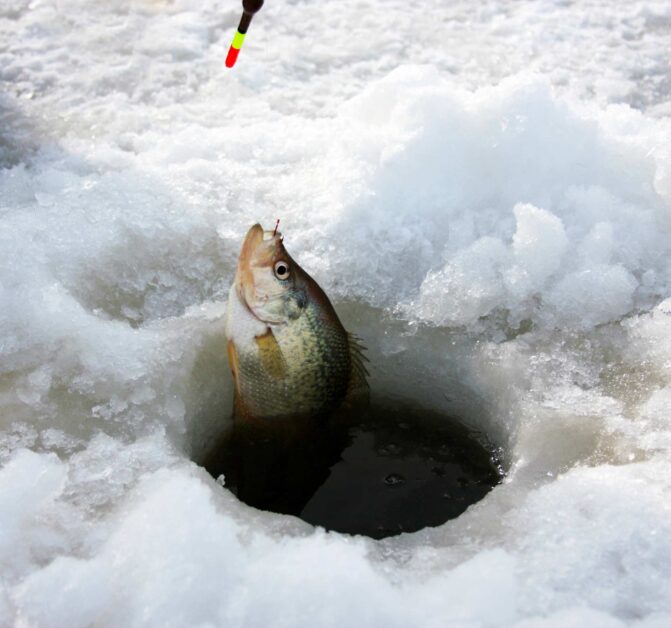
(392, 467)
(429, 445)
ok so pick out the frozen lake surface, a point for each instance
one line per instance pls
(484, 189)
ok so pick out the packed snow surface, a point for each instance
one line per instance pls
(485, 191)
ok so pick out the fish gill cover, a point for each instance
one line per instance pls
(494, 220)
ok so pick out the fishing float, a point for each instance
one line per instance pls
(249, 8)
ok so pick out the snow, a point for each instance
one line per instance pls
(484, 190)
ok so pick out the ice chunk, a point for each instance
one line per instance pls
(470, 286)
(538, 246)
(595, 295)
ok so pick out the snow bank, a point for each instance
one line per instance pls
(153, 564)
(531, 205)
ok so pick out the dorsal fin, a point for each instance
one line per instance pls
(358, 388)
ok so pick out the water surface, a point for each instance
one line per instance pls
(389, 469)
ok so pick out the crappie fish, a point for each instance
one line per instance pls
(287, 349)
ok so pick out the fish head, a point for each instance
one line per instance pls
(267, 280)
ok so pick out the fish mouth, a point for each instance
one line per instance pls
(259, 249)
(249, 246)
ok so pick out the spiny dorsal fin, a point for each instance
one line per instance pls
(358, 385)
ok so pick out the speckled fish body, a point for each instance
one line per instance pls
(288, 351)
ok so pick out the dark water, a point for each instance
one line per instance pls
(391, 469)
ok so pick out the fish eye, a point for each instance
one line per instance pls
(281, 270)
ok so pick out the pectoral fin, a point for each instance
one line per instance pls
(270, 355)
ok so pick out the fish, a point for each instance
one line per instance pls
(288, 352)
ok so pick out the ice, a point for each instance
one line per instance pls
(605, 291)
(29, 482)
(484, 191)
(212, 575)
